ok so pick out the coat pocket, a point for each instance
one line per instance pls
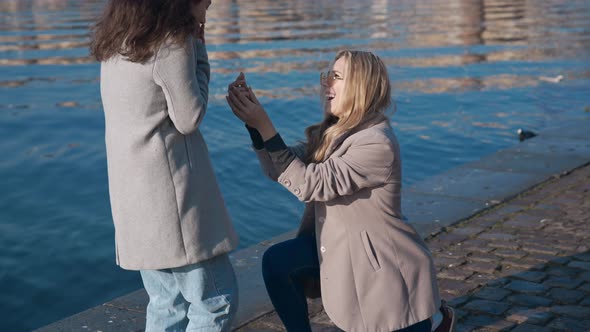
(187, 147)
(370, 251)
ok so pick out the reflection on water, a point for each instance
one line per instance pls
(465, 74)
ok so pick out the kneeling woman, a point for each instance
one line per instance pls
(375, 271)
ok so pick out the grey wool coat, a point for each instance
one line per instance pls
(376, 272)
(166, 204)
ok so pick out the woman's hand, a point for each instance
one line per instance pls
(247, 108)
(241, 84)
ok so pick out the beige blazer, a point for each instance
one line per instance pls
(166, 204)
(376, 272)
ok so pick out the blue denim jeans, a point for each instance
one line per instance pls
(198, 297)
(284, 267)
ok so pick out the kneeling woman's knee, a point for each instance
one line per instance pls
(273, 261)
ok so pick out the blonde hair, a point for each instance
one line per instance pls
(366, 97)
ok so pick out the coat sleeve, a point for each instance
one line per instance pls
(182, 71)
(266, 162)
(366, 163)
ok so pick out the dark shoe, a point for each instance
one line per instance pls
(448, 323)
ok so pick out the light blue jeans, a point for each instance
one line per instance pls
(199, 297)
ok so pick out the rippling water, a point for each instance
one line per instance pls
(465, 72)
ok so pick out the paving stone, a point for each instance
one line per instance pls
(562, 271)
(258, 327)
(584, 276)
(273, 320)
(523, 263)
(322, 319)
(532, 276)
(562, 282)
(565, 246)
(468, 231)
(572, 311)
(434, 245)
(482, 267)
(585, 288)
(529, 300)
(448, 262)
(569, 324)
(455, 274)
(324, 328)
(465, 328)
(481, 279)
(538, 316)
(453, 254)
(527, 287)
(487, 307)
(511, 245)
(565, 296)
(509, 253)
(461, 314)
(497, 236)
(580, 265)
(488, 221)
(452, 238)
(493, 323)
(583, 256)
(492, 293)
(540, 249)
(458, 301)
(482, 257)
(499, 282)
(585, 302)
(447, 295)
(476, 245)
(560, 261)
(531, 328)
(526, 224)
(540, 258)
(454, 286)
(314, 306)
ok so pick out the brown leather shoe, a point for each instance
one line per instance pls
(448, 323)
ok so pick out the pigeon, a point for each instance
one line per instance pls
(555, 79)
(525, 134)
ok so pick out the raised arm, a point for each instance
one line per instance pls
(183, 73)
(368, 162)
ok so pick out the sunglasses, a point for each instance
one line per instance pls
(328, 78)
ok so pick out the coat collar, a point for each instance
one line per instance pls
(337, 142)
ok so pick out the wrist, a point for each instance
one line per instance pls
(267, 131)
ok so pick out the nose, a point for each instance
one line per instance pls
(323, 80)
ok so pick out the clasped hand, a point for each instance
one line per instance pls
(246, 107)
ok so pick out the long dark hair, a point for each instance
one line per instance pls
(137, 28)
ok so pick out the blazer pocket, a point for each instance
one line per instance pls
(370, 251)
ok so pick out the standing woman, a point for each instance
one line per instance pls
(375, 271)
(170, 220)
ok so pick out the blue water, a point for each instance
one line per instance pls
(465, 74)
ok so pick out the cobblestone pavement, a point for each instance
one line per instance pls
(522, 266)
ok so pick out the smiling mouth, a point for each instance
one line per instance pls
(329, 98)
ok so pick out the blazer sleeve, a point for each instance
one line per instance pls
(367, 163)
(183, 72)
